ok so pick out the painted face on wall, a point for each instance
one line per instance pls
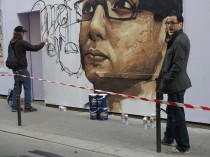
(116, 38)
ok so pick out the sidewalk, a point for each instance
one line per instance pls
(75, 129)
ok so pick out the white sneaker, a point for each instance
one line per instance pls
(174, 150)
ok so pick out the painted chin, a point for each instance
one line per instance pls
(95, 64)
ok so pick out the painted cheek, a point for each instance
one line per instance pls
(84, 37)
(84, 32)
(123, 41)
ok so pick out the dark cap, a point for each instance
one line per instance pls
(20, 29)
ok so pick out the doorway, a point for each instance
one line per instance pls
(31, 21)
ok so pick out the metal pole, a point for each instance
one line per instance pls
(18, 98)
(158, 126)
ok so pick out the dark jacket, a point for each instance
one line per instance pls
(21, 46)
(173, 75)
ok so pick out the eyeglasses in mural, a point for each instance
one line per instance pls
(121, 42)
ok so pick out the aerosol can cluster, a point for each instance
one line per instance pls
(149, 121)
(62, 108)
(124, 118)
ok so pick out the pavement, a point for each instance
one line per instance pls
(75, 130)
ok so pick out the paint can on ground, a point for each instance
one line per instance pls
(93, 106)
(102, 107)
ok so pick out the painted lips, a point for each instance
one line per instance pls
(96, 56)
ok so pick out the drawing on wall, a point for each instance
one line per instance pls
(121, 43)
(1, 40)
(58, 23)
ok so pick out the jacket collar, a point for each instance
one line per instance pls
(172, 38)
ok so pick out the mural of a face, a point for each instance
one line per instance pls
(127, 50)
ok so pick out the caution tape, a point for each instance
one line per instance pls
(204, 108)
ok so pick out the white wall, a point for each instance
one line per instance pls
(63, 67)
(10, 8)
(197, 21)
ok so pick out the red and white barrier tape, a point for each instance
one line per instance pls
(204, 108)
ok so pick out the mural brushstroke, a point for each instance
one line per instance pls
(121, 43)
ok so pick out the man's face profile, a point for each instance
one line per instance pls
(112, 42)
(173, 25)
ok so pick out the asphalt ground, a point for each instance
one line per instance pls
(75, 130)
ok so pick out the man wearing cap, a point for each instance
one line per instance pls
(21, 46)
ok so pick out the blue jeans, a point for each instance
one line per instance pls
(26, 83)
(176, 127)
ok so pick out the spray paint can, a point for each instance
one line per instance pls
(145, 122)
(126, 119)
(153, 121)
(93, 106)
(62, 108)
(123, 118)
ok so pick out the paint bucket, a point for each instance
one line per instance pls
(102, 107)
(93, 106)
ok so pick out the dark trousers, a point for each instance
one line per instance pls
(176, 128)
(26, 82)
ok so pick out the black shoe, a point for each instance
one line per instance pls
(163, 141)
(14, 109)
(9, 96)
(30, 109)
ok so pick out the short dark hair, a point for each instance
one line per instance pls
(162, 8)
(179, 17)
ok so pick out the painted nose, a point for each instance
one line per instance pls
(97, 26)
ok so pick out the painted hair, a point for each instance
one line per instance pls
(162, 8)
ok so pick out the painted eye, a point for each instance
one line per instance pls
(122, 5)
(122, 9)
(88, 9)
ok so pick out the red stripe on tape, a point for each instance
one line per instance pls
(144, 99)
(118, 94)
(205, 108)
(158, 101)
(189, 106)
(172, 103)
(130, 96)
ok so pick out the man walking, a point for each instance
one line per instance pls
(20, 47)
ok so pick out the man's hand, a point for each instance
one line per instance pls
(45, 40)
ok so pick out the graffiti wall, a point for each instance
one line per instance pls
(111, 45)
(61, 62)
(115, 46)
